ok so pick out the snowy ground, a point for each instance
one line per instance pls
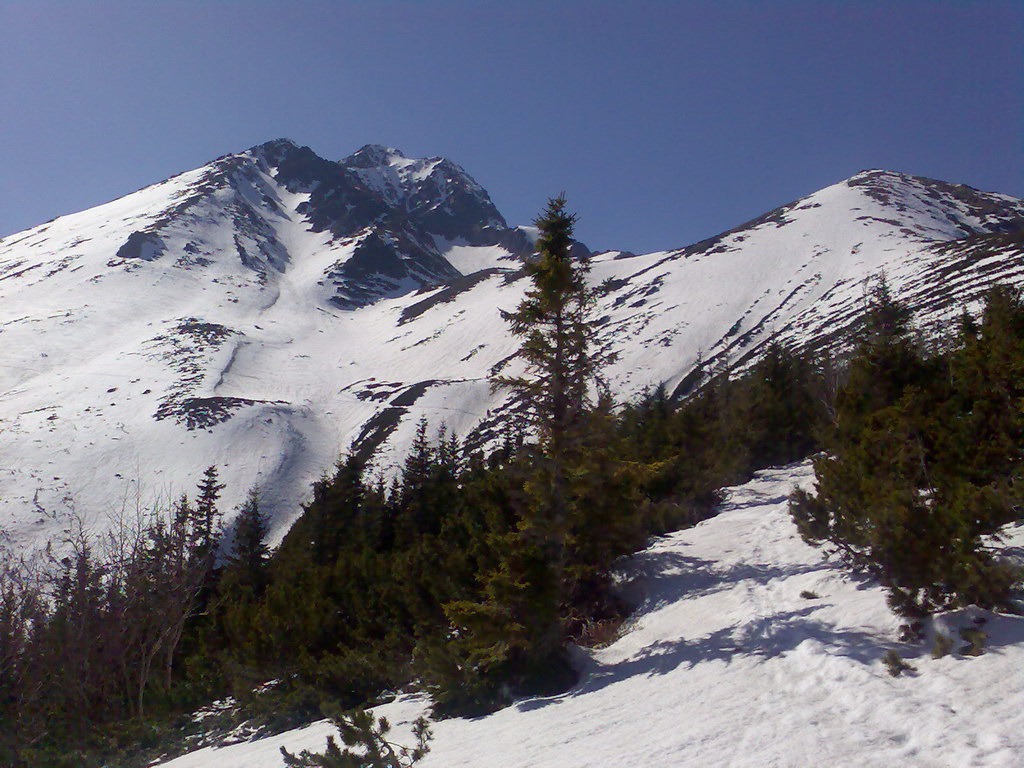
(725, 664)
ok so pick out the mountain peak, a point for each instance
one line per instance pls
(373, 156)
(273, 148)
(281, 143)
(277, 151)
(868, 173)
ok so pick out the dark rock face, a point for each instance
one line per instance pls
(380, 266)
(141, 245)
(399, 214)
(398, 208)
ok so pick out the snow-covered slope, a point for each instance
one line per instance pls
(748, 649)
(272, 308)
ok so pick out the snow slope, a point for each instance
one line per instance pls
(726, 663)
(271, 309)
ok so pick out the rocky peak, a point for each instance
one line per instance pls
(373, 156)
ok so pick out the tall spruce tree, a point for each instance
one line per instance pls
(206, 514)
(511, 640)
(563, 359)
(247, 563)
(559, 344)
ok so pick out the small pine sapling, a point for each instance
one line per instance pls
(975, 639)
(895, 664)
(360, 729)
(942, 646)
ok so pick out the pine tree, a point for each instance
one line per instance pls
(369, 735)
(563, 358)
(899, 493)
(988, 371)
(559, 344)
(413, 503)
(782, 412)
(247, 563)
(511, 638)
(205, 515)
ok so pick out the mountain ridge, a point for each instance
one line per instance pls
(244, 314)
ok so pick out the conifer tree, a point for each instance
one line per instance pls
(247, 564)
(898, 493)
(563, 359)
(337, 511)
(206, 516)
(781, 410)
(559, 344)
(369, 735)
(511, 638)
(414, 513)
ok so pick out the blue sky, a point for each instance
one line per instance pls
(663, 122)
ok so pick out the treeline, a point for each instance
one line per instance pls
(94, 635)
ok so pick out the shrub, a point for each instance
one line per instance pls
(942, 646)
(362, 730)
(895, 664)
(922, 462)
(975, 640)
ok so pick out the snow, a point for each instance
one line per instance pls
(726, 663)
(530, 231)
(91, 345)
(472, 258)
(397, 174)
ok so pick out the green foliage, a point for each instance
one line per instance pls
(894, 663)
(942, 646)
(550, 557)
(924, 459)
(770, 416)
(975, 640)
(247, 562)
(92, 641)
(206, 516)
(368, 735)
(558, 339)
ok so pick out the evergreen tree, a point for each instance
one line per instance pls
(206, 517)
(563, 358)
(511, 637)
(369, 735)
(783, 410)
(988, 374)
(559, 344)
(334, 520)
(898, 493)
(413, 502)
(247, 563)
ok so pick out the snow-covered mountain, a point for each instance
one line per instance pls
(747, 649)
(272, 308)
